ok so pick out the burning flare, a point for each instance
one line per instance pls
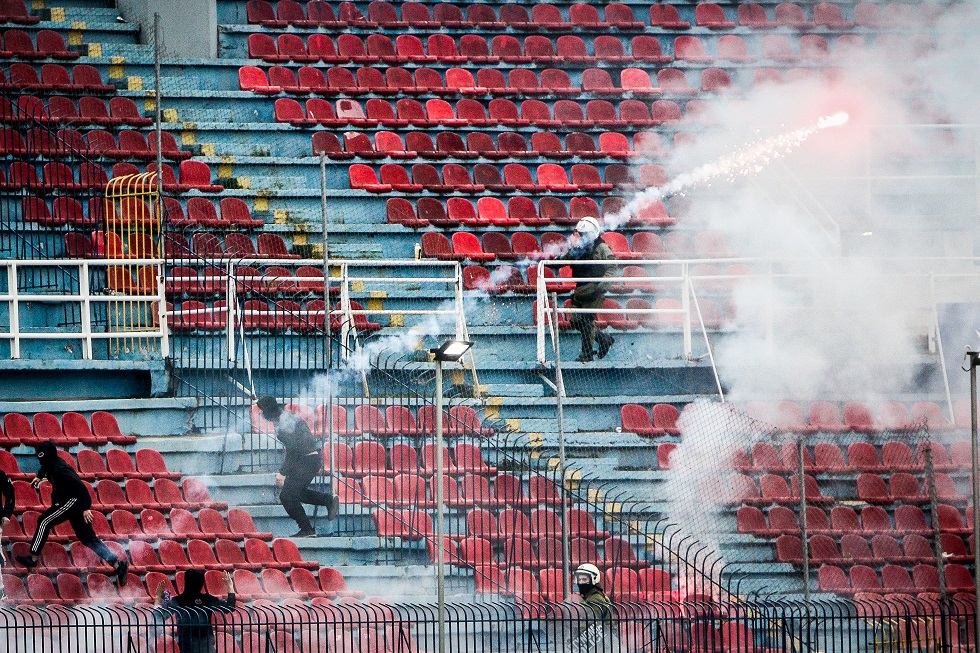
(749, 159)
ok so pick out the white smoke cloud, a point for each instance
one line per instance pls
(838, 321)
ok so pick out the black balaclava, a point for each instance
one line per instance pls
(585, 589)
(46, 454)
(193, 581)
(270, 408)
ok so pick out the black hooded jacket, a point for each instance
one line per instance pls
(64, 480)
(7, 491)
(193, 610)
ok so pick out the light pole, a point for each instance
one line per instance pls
(448, 352)
(974, 360)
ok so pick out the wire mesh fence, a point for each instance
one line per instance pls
(899, 624)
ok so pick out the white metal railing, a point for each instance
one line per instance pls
(118, 327)
(345, 313)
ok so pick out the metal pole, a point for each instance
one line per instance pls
(328, 349)
(803, 524)
(934, 509)
(975, 489)
(566, 545)
(158, 113)
(440, 516)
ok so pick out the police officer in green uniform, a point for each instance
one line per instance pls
(597, 632)
(586, 245)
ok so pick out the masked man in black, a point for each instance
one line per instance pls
(6, 513)
(302, 464)
(586, 245)
(71, 502)
(192, 610)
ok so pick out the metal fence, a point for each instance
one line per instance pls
(892, 623)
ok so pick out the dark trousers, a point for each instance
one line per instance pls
(296, 491)
(70, 511)
(584, 323)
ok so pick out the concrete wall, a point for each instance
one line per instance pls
(189, 28)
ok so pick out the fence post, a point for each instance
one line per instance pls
(162, 311)
(86, 312)
(801, 452)
(566, 547)
(14, 310)
(542, 296)
(686, 305)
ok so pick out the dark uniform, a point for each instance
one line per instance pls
(302, 464)
(69, 501)
(590, 294)
(192, 610)
(6, 512)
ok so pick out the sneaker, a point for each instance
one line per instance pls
(121, 572)
(333, 508)
(605, 343)
(27, 561)
(305, 532)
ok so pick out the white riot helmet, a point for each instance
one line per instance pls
(588, 227)
(587, 574)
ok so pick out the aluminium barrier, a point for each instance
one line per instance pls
(129, 326)
(892, 623)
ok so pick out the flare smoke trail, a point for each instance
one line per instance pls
(749, 159)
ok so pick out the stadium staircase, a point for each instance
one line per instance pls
(402, 108)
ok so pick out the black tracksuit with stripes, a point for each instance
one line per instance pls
(69, 500)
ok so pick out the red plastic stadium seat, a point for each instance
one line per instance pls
(666, 17)
(711, 15)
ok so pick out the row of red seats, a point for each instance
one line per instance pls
(73, 428)
(636, 419)
(828, 458)
(370, 458)
(394, 420)
(903, 487)
(97, 143)
(885, 549)
(109, 245)
(207, 245)
(924, 578)
(824, 416)
(90, 110)
(620, 583)
(507, 278)
(771, 488)
(40, 590)
(503, 48)
(416, 524)
(411, 490)
(15, 11)
(50, 45)
(520, 81)
(871, 520)
(474, 490)
(83, 78)
(455, 178)
(546, 16)
(123, 525)
(466, 246)
(57, 175)
(171, 557)
(284, 315)
(500, 111)
(427, 211)
(257, 315)
(117, 465)
(183, 280)
(710, 313)
(108, 495)
(615, 145)
(515, 177)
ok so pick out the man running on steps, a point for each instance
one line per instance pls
(6, 512)
(302, 464)
(71, 502)
(586, 245)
